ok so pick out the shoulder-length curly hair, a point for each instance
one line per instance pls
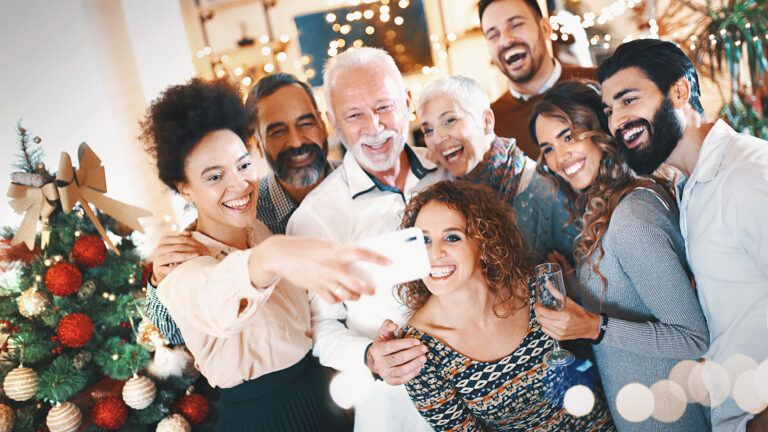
(578, 104)
(490, 225)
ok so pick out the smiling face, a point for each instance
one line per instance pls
(517, 39)
(370, 107)
(641, 118)
(454, 258)
(576, 161)
(293, 135)
(457, 139)
(221, 182)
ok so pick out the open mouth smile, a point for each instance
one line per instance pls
(452, 153)
(441, 272)
(239, 204)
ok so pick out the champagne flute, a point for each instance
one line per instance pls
(550, 292)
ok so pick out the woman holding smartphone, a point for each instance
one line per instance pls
(240, 309)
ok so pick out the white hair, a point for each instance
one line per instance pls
(465, 92)
(356, 57)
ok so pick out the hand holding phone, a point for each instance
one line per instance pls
(407, 251)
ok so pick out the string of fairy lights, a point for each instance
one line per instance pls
(275, 57)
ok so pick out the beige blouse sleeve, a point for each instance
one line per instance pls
(213, 297)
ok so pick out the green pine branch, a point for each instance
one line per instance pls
(120, 360)
(61, 380)
(29, 157)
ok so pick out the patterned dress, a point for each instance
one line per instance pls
(540, 211)
(516, 393)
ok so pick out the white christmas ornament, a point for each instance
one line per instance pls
(20, 383)
(64, 417)
(139, 392)
(173, 423)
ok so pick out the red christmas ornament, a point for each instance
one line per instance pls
(194, 407)
(89, 251)
(110, 413)
(63, 279)
(75, 330)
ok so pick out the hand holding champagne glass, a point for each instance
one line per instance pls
(551, 293)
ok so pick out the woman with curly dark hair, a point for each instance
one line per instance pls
(474, 313)
(640, 309)
(240, 309)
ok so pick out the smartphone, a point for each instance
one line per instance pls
(407, 251)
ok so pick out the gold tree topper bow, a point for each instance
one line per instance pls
(88, 185)
(35, 202)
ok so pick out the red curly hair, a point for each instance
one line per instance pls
(490, 225)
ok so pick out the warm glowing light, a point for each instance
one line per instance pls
(579, 400)
(451, 37)
(426, 70)
(384, 10)
(305, 60)
(358, 43)
(336, 27)
(330, 17)
(238, 71)
(247, 81)
(368, 14)
(369, 30)
(346, 28)
(284, 38)
(269, 68)
(635, 402)
(384, 18)
(403, 4)
(745, 393)
(281, 56)
(669, 401)
(332, 52)
(266, 50)
(310, 73)
(264, 39)
(398, 20)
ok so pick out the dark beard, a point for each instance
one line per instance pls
(535, 64)
(304, 176)
(663, 135)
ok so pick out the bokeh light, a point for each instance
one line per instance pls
(579, 400)
(635, 402)
(669, 401)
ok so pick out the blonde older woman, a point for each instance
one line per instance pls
(458, 124)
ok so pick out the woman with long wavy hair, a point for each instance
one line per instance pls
(473, 312)
(639, 306)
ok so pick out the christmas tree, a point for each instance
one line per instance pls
(76, 345)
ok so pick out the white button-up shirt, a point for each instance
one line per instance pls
(724, 219)
(349, 205)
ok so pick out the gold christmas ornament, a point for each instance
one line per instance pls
(32, 303)
(64, 417)
(173, 423)
(20, 383)
(6, 418)
(139, 392)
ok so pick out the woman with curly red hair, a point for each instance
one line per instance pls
(474, 312)
(639, 307)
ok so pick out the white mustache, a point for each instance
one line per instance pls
(378, 138)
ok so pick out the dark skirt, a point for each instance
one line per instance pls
(294, 399)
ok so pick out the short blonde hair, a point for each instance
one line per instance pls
(465, 92)
(352, 57)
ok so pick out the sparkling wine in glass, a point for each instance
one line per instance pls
(550, 292)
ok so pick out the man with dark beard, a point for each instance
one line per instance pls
(651, 97)
(289, 132)
(292, 137)
(518, 35)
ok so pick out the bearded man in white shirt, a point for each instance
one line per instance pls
(369, 107)
(651, 97)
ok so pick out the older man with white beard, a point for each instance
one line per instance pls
(369, 107)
